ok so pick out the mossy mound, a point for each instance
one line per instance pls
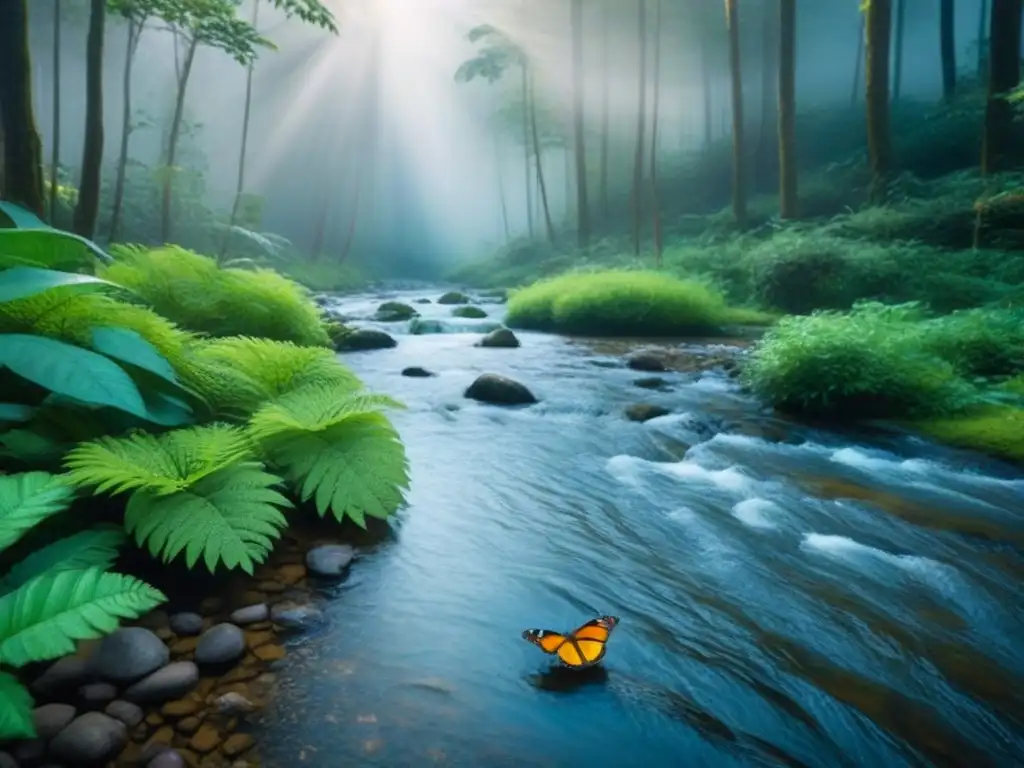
(623, 303)
(473, 313)
(453, 297)
(996, 430)
(394, 311)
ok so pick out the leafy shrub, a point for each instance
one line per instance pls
(194, 292)
(979, 342)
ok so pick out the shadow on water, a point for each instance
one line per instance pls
(788, 595)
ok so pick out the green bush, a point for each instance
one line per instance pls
(978, 342)
(621, 303)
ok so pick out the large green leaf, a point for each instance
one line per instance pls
(71, 371)
(47, 248)
(30, 447)
(20, 218)
(43, 618)
(130, 347)
(15, 710)
(95, 548)
(27, 499)
(16, 412)
(22, 282)
(167, 410)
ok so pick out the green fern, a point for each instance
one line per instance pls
(27, 499)
(15, 709)
(43, 618)
(341, 452)
(95, 548)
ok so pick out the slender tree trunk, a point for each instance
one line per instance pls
(55, 128)
(739, 175)
(501, 190)
(641, 114)
(947, 46)
(605, 86)
(84, 222)
(172, 140)
(246, 112)
(655, 105)
(767, 139)
(567, 176)
(527, 177)
(135, 27)
(879, 28)
(789, 200)
(22, 151)
(983, 41)
(859, 64)
(1003, 76)
(578, 97)
(705, 76)
(897, 47)
(540, 165)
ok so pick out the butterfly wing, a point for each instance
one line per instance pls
(545, 639)
(590, 641)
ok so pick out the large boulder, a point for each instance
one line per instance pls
(499, 338)
(645, 411)
(394, 311)
(473, 313)
(499, 390)
(129, 654)
(363, 339)
(453, 297)
(91, 739)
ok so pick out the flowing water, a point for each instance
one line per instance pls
(787, 596)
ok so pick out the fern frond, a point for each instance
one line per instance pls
(229, 516)
(344, 454)
(95, 548)
(27, 499)
(15, 710)
(43, 618)
(159, 465)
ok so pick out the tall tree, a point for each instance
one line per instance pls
(1003, 77)
(767, 138)
(22, 164)
(582, 208)
(897, 50)
(878, 16)
(55, 127)
(84, 221)
(788, 196)
(538, 157)
(638, 155)
(858, 66)
(947, 46)
(739, 175)
(656, 83)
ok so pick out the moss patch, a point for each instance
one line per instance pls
(473, 313)
(997, 430)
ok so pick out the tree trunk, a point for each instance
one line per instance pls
(172, 140)
(767, 139)
(501, 190)
(1003, 76)
(859, 64)
(84, 222)
(605, 86)
(879, 28)
(638, 156)
(55, 128)
(22, 150)
(246, 112)
(739, 181)
(582, 206)
(983, 41)
(134, 33)
(527, 176)
(540, 166)
(897, 47)
(789, 201)
(655, 104)
(947, 46)
(705, 76)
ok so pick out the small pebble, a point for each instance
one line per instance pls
(186, 624)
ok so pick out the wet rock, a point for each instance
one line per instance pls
(422, 301)
(292, 573)
(499, 338)
(250, 614)
(269, 653)
(296, 615)
(96, 695)
(233, 704)
(129, 654)
(645, 361)
(499, 390)
(416, 372)
(179, 708)
(329, 560)
(186, 624)
(188, 725)
(66, 674)
(394, 311)
(206, 739)
(51, 719)
(7, 760)
(419, 326)
(363, 339)
(237, 744)
(167, 758)
(30, 752)
(90, 739)
(170, 682)
(473, 313)
(652, 382)
(220, 644)
(645, 412)
(128, 713)
(453, 297)
(157, 743)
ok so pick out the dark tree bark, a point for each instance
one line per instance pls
(982, 62)
(655, 208)
(540, 165)
(527, 176)
(501, 190)
(134, 33)
(22, 151)
(55, 128)
(638, 156)
(84, 222)
(947, 46)
(879, 29)
(1003, 76)
(897, 48)
(582, 206)
(739, 174)
(788, 195)
(172, 139)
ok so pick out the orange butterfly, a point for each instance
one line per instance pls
(581, 648)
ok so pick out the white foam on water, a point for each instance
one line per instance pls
(757, 513)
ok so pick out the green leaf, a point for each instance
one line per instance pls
(27, 499)
(47, 248)
(43, 618)
(15, 710)
(21, 218)
(95, 548)
(71, 371)
(129, 346)
(22, 282)
(30, 447)
(16, 412)
(167, 410)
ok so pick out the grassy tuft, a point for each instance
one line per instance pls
(997, 430)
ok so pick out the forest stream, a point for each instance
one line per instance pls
(787, 595)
